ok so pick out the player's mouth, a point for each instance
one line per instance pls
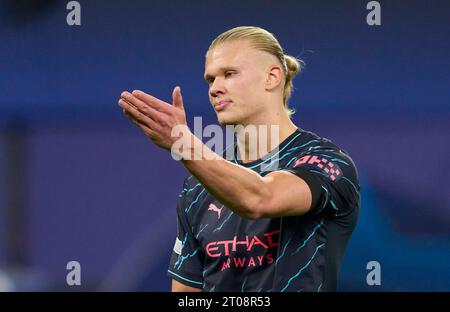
(221, 105)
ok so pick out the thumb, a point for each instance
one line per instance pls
(177, 98)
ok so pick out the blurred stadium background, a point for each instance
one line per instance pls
(79, 182)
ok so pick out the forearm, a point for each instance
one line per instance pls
(240, 189)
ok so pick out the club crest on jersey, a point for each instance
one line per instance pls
(329, 168)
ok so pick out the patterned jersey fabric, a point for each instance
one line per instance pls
(217, 250)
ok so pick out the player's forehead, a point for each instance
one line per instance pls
(234, 54)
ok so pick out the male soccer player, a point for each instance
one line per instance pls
(244, 225)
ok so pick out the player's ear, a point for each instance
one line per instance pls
(274, 77)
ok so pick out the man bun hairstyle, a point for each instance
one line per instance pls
(265, 41)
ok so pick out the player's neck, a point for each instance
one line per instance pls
(259, 139)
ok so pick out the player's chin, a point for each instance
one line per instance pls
(225, 120)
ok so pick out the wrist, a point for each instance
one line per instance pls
(182, 147)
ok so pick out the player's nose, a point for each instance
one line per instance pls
(216, 88)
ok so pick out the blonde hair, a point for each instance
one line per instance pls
(265, 41)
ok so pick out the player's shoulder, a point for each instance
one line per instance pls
(312, 143)
(314, 152)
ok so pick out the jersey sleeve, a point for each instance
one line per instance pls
(333, 180)
(186, 262)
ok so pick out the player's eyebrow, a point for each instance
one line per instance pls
(209, 77)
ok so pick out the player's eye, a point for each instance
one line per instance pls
(228, 74)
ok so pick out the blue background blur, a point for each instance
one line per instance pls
(79, 182)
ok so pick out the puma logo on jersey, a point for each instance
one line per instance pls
(214, 208)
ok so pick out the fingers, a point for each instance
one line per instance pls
(177, 99)
(140, 105)
(130, 117)
(150, 113)
(147, 130)
(151, 101)
(137, 116)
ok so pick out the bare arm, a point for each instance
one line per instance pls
(242, 190)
